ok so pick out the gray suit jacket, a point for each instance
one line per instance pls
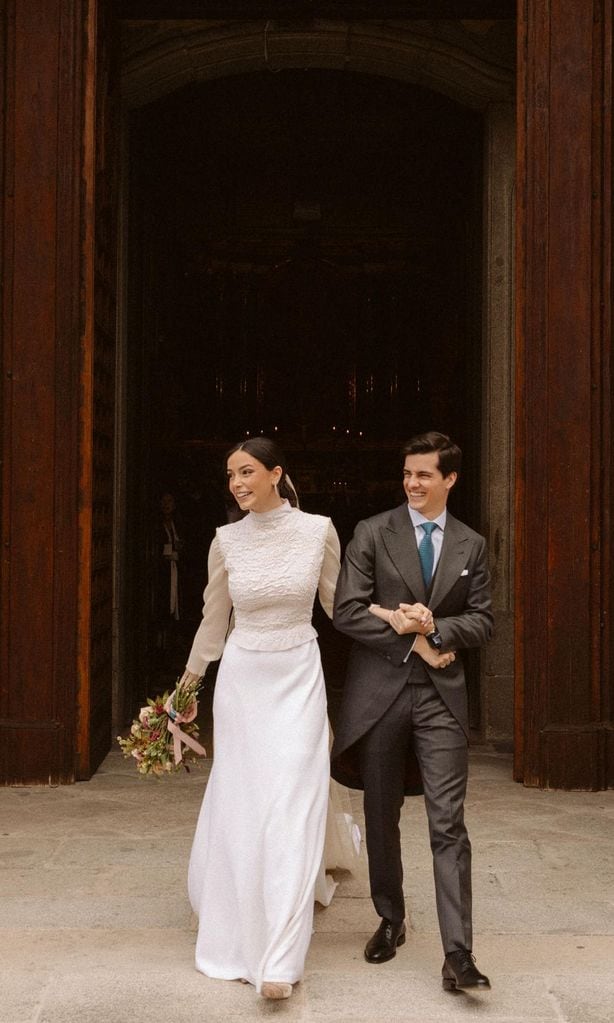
(382, 566)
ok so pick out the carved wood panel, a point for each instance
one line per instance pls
(563, 631)
(41, 215)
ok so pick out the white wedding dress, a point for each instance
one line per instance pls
(258, 853)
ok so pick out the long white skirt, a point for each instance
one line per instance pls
(260, 835)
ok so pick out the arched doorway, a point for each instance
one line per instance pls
(60, 132)
(305, 257)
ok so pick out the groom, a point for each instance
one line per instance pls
(413, 589)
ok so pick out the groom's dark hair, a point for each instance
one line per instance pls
(450, 455)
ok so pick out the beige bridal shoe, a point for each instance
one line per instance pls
(275, 989)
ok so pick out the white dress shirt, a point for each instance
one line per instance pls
(436, 536)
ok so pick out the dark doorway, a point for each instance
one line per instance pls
(304, 261)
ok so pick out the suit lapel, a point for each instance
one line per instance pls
(399, 538)
(452, 560)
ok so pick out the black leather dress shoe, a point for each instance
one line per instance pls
(459, 972)
(384, 943)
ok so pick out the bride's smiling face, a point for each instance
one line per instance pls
(251, 484)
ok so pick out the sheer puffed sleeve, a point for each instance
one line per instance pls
(330, 570)
(211, 635)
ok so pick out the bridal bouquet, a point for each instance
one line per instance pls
(156, 738)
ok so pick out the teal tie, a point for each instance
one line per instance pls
(426, 552)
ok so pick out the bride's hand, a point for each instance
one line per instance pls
(421, 615)
(406, 623)
(432, 657)
(407, 619)
(188, 676)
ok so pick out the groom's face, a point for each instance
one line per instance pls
(426, 489)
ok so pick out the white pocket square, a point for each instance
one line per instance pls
(465, 571)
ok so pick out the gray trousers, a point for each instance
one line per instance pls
(419, 715)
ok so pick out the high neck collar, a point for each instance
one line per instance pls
(264, 518)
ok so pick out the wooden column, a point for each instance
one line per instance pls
(97, 392)
(43, 320)
(563, 396)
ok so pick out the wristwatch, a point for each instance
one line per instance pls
(434, 638)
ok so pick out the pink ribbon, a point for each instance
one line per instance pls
(180, 737)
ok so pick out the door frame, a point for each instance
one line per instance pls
(203, 51)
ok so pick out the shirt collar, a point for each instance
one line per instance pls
(417, 518)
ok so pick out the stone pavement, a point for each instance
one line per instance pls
(95, 925)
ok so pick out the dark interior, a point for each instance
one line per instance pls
(304, 262)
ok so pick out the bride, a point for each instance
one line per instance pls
(256, 862)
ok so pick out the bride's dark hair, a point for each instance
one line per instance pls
(270, 454)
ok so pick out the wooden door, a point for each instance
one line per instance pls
(58, 253)
(46, 58)
(564, 732)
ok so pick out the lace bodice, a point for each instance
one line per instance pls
(267, 567)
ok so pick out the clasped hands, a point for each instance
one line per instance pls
(411, 618)
(415, 619)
